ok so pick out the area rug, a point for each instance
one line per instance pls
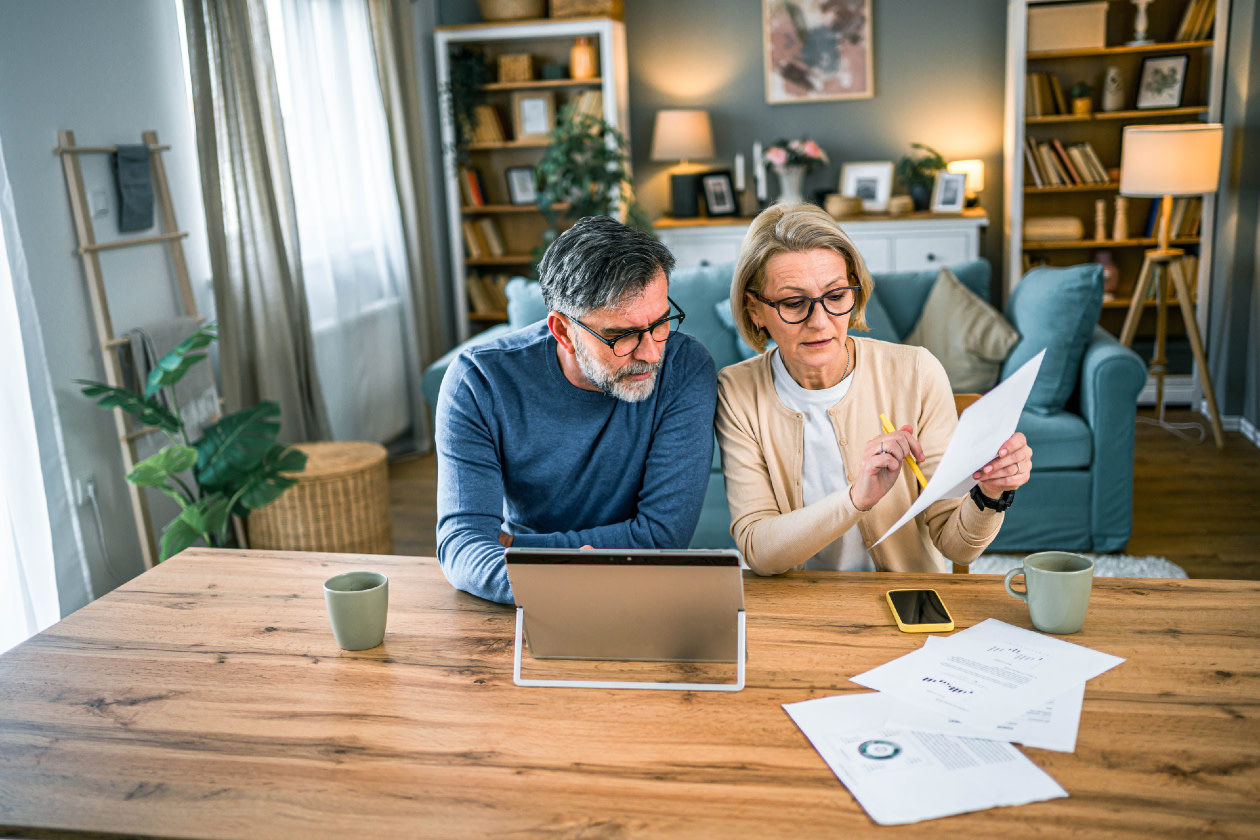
(1105, 565)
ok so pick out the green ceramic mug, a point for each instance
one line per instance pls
(357, 606)
(1056, 589)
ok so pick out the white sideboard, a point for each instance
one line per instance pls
(913, 242)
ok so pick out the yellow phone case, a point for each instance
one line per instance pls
(941, 627)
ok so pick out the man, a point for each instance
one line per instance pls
(593, 428)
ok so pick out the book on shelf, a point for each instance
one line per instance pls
(489, 129)
(1066, 161)
(1056, 90)
(474, 242)
(496, 286)
(1196, 23)
(1034, 172)
(590, 103)
(470, 187)
(478, 295)
(1050, 162)
(1095, 163)
(489, 232)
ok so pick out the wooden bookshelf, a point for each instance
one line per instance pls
(1123, 49)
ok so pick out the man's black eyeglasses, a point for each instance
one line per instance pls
(797, 309)
(628, 342)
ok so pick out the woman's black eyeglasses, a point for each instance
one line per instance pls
(797, 309)
(628, 342)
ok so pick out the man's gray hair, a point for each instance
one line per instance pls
(599, 263)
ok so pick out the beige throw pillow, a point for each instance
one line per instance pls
(970, 338)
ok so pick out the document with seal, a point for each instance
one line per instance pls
(983, 427)
(901, 775)
(993, 671)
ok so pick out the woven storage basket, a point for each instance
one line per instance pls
(585, 8)
(339, 504)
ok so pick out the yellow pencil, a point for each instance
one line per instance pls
(889, 429)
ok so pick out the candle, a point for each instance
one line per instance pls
(759, 171)
(739, 172)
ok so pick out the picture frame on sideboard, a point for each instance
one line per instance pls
(949, 192)
(870, 181)
(719, 193)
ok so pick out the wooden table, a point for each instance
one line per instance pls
(207, 698)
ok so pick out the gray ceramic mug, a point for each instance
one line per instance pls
(1056, 589)
(358, 603)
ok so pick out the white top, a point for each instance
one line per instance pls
(822, 467)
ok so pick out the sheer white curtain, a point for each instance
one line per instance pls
(33, 476)
(349, 225)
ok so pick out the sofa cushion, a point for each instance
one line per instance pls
(970, 338)
(743, 348)
(903, 293)
(1059, 441)
(878, 323)
(1054, 309)
(525, 303)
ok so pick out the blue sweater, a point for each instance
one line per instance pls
(517, 443)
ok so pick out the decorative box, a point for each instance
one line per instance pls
(586, 8)
(1067, 26)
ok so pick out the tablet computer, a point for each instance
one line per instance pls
(631, 605)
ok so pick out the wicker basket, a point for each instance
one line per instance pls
(512, 9)
(339, 504)
(516, 67)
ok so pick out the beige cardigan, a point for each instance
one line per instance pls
(762, 442)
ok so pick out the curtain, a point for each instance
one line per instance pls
(394, 42)
(266, 347)
(43, 569)
(353, 252)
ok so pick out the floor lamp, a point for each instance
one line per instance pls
(1162, 161)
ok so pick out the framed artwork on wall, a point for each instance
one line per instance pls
(871, 182)
(817, 50)
(1162, 81)
(719, 194)
(948, 192)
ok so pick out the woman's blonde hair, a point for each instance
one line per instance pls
(784, 229)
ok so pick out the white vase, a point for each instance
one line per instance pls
(790, 180)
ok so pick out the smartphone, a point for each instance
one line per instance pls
(919, 611)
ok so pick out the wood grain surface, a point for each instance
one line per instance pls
(208, 699)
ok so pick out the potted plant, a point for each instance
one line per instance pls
(464, 92)
(585, 171)
(236, 464)
(917, 173)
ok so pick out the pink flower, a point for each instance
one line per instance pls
(776, 156)
(812, 149)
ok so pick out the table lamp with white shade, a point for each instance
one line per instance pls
(1162, 161)
(679, 136)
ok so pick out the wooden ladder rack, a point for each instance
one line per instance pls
(110, 344)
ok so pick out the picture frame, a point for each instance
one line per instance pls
(870, 181)
(522, 184)
(533, 116)
(1162, 81)
(949, 192)
(817, 50)
(719, 193)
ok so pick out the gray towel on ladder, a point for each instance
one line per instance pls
(134, 177)
(195, 394)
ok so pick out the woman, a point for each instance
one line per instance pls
(811, 477)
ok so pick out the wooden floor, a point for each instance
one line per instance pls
(1197, 505)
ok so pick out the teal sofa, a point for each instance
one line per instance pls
(1080, 494)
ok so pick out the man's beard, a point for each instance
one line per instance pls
(618, 384)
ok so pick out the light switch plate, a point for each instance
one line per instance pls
(98, 203)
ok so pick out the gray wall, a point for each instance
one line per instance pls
(106, 69)
(1234, 322)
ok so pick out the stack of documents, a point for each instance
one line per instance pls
(935, 740)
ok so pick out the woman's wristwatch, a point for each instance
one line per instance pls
(999, 504)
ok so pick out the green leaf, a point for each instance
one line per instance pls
(172, 367)
(206, 517)
(269, 482)
(156, 469)
(147, 410)
(233, 448)
(176, 536)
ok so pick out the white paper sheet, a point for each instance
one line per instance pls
(1051, 726)
(900, 775)
(982, 429)
(992, 671)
